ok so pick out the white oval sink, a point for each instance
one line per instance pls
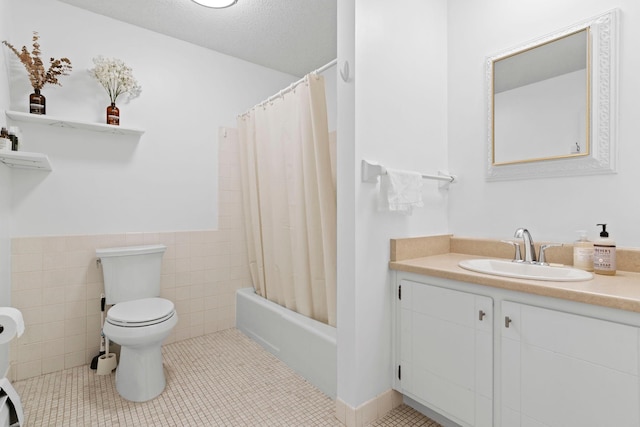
(519, 270)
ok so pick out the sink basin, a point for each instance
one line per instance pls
(518, 270)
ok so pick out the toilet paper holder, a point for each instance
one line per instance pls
(11, 324)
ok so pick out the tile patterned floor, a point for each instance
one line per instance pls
(222, 379)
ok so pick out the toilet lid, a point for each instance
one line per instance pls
(140, 312)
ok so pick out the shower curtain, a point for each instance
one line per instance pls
(289, 200)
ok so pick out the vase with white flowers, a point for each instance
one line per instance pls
(38, 76)
(117, 79)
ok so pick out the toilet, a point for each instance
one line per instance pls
(139, 320)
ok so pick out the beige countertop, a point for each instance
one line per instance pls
(438, 256)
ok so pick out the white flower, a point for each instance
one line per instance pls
(116, 77)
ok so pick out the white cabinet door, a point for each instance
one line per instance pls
(446, 351)
(565, 370)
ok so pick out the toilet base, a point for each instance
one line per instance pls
(140, 374)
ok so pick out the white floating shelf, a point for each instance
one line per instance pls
(54, 121)
(25, 160)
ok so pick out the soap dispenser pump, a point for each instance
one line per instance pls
(604, 253)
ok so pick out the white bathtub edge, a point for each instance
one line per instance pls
(305, 345)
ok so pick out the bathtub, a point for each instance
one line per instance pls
(305, 345)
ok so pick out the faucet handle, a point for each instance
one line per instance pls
(517, 257)
(543, 248)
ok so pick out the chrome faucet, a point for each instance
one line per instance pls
(529, 248)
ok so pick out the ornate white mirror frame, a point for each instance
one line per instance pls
(603, 96)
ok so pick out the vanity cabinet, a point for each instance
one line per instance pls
(502, 358)
(563, 369)
(444, 351)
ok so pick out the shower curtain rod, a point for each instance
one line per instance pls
(293, 85)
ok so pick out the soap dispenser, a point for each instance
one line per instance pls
(583, 252)
(604, 253)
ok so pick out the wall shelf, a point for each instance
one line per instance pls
(54, 121)
(25, 160)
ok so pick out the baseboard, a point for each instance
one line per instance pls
(369, 411)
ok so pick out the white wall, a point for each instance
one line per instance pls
(400, 120)
(551, 208)
(347, 389)
(5, 190)
(166, 181)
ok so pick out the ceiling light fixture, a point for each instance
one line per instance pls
(216, 4)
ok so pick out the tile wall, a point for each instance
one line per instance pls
(56, 282)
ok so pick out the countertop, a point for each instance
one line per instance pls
(440, 259)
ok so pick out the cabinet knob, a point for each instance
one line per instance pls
(481, 315)
(507, 321)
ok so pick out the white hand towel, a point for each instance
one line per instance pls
(400, 191)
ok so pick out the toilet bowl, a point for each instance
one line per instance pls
(139, 320)
(140, 327)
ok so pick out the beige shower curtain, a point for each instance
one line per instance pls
(290, 200)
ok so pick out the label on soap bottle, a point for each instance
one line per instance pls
(583, 258)
(604, 258)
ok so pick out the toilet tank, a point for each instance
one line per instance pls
(131, 272)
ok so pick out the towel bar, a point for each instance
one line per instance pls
(371, 171)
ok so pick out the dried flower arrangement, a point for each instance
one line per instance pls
(116, 77)
(35, 67)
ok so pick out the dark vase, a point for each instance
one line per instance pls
(37, 103)
(113, 115)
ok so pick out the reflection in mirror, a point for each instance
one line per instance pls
(541, 102)
(552, 103)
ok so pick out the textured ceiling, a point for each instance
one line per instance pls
(292, 36)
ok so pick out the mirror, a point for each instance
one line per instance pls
(541, 103)
(551, 105)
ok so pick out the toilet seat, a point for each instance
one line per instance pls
(141, 312)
